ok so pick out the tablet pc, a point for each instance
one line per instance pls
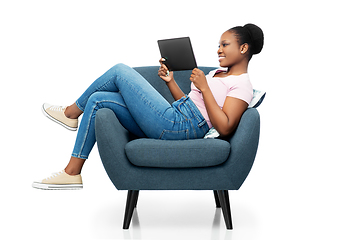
(178, 53)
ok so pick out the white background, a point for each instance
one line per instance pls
(50, 51)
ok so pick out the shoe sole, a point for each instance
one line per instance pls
(44, 186)
(57, 121)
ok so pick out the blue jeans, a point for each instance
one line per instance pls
(139, 107)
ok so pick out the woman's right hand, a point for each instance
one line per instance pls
(163, 72)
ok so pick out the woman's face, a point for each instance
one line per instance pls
(229, 51)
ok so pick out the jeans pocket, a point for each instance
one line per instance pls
(174, 135)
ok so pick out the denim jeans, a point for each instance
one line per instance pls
(139, 107)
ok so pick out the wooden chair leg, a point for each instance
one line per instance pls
(216, 198)
(225, 204)
(131, 202)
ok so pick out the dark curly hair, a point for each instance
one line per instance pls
(251, 35)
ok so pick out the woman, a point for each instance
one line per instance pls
(217, 100)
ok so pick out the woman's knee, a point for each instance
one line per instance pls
(94, 102)
(95, 98)
(120, 67)
(99, 99)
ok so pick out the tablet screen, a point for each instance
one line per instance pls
(178, 53)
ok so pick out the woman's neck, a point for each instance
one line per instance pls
(239, 68)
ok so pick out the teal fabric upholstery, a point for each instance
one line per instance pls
(112, 139)
(183, 154)
(159, 174)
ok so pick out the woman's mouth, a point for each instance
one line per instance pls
(221, 58)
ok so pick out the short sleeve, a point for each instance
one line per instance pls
(242, 89)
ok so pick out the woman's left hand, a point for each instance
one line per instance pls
(198, 78)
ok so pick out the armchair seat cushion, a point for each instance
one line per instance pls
(177, 153)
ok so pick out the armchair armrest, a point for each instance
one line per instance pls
(111, 139)
(244, 144)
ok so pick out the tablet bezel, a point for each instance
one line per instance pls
(178, 53)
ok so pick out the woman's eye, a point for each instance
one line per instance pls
(224, 45)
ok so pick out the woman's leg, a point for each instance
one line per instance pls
(73, 111)
(137, 105)
(85, 139)
(143, 101)
(74, 166)
(104, 92)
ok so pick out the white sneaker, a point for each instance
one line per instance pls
(56, 114)
(60, 181)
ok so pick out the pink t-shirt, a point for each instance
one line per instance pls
(230, 86)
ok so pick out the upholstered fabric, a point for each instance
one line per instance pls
(112, 139)
(177, 154)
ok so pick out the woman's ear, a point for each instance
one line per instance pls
(244, 48)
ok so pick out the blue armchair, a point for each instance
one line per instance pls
(135, 164)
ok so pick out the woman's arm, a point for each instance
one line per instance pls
(170, 81)
(225, 120)
(175, 89)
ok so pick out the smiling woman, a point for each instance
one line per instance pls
(226, 94)
(217, 100)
